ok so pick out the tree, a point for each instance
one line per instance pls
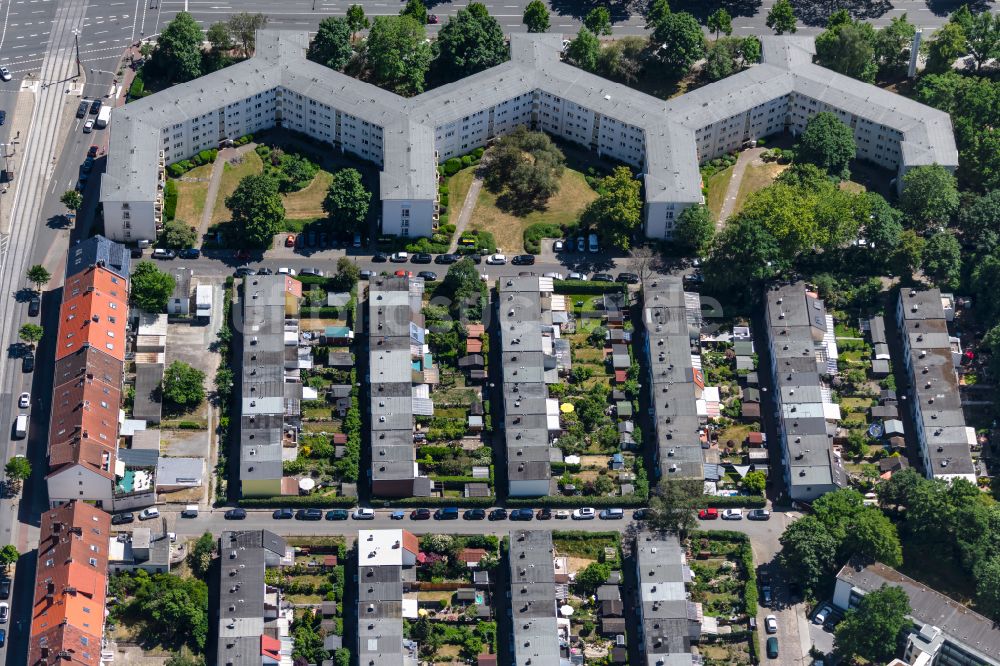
(347, 200)
(871, 630)
(807, 552)
(356, 20)
(176, 234)
(884, 225)
(942, 260)
(720, 21)
(18, 469)
(183, 385)
(871, 535)
(617, 210)
(695, 229)
(525, 169)
(598, 21)
(151, 287)
(623, 58)
(200, 557)
(348, 273)
(184, 659)
(985, 286)
(720, 59)
(38, 276)
(908, 256)
(979, 221)
(31, 333)
(331, 45)
(947, 46)
(174, 610)
(221, 42)
(848, 48)
(178, 49)
(892, 46)
(656, 11)
(828, 143)
(72, 200)
(255, 207)
(583, 50)
(755, 482)
(781, 17)
(593, 576)
(470, 42)
(674, 503)
(398, 53)
(244, 27)
(987, 578)
(679, 42)
(744, 255)
(8, 556)
(929, 197)
(536, 16)
(982, 37)
(416, 10)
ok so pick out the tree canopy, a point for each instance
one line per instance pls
(584, 50)
(177, 234)
(464, 290)
(347, 200)
(151, 287)
(331, 45)
(174, 610)
(38, 275)
(243, 27)
(178, 49)
(871, 630)
(947, 46)
(356, 19)
(398, 54)
(678, 42)
(617, 210)
(942, 260)
(828, 143)
(781, 17)
(720, 21)
(256, 209)
(30, 333)
(674, 504)
(416, 10)
(183, 385)
(470, 42)
(848, 46)
(72, 200)
(593, 576)
(979, 221)
(695, 229)
(598, 21)
(929, 197)
(524, 169)
(17, 470)
(536, 16)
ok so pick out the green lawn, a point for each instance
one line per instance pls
(717, 186)
(231, 177)
(192, 190)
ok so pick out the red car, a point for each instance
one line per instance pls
(290, 240)
(708, 514)
(242, 255)
(432, 18)
(92, 152)
(406, 274)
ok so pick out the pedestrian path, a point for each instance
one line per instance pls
(471, 197)
(218, 167)
(733, 188)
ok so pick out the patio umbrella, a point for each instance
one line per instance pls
(565, 610)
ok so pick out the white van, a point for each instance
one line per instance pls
(21, 426)
(103, 117)
(190, 511)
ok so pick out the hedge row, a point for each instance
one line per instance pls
(576, 501)
(464, 502)
(178, 169)
(735, 501)
(310, 501)
(170, 200)
(561, 467)
(585, 287)
(580, 535)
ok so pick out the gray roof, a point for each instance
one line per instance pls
(98, 251)
(524, 388)
(960, 625)
(146, 404)
(669, 163)
(139, 457)
(532, 597)
(180, 471)
(669, 621)
(243, 556)
(797, 324)
(937, 403)
(674, 393)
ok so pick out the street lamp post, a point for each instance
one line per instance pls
(76, 38)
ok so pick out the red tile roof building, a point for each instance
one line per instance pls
(67, 617)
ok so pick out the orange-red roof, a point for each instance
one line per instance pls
(473, 346)
(410, 542)
(93, 313)
(70, 586)
(84, 426)
(270, 647)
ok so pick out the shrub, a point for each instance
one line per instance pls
(175, 170)
(478, 153)
(444, 201)
(170, 199)
(452, 166)
(534, 234)
(447, 229)
(138, 88)
(466, 161)
(263, 150)
(319, 501)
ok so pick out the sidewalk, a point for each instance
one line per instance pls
(733, 188)
(20, 123)
(471, 197)
(218, 167)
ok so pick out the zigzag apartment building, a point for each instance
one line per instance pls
(406, 138)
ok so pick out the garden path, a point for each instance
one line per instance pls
(471, 197)
(733, 188)
(221, 159)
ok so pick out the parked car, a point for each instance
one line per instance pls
(496, 259)
(283, 514)
(772, 648)
(642, 514)
(427, 275)
(95, 107)
(3, 637)
(732, 514)
(264, 270)
(433, 19)
(379, 258)
(448, 513)
(474, 514)
(522, 514)
(446, 258)
(544, 514)
(574, 275)
(592, 243)
(4, 74)
(612, 514)
(284, 270)
(758, 514)
(581, 244)
(28, 362)
(403, 274)
(149, 514)
(315, 272)
(81, 109)
(34, 306)
(290, 240)
(189, 253)
(397, 515)
(558, 246)
(4, 588)
(765, 592)
(523, 260)
(122, 518)
(399, 257)
(561, 514)
(771, 624)
(708, 514)
(821, 614)
(421, 258)
(4, 612)
(235, 514)
(585, 513)
(244, 271)
(164, 253)
(363, 514)
(88, 126)
(628, 278)
(498, 514)
(135, 252)
(553, 275)
(24, 400)
(420, 514)
(309, 514)
(366, 275)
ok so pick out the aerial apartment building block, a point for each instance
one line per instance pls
(386, 567)
(669, 622)
(534, 637)
(664, 141)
